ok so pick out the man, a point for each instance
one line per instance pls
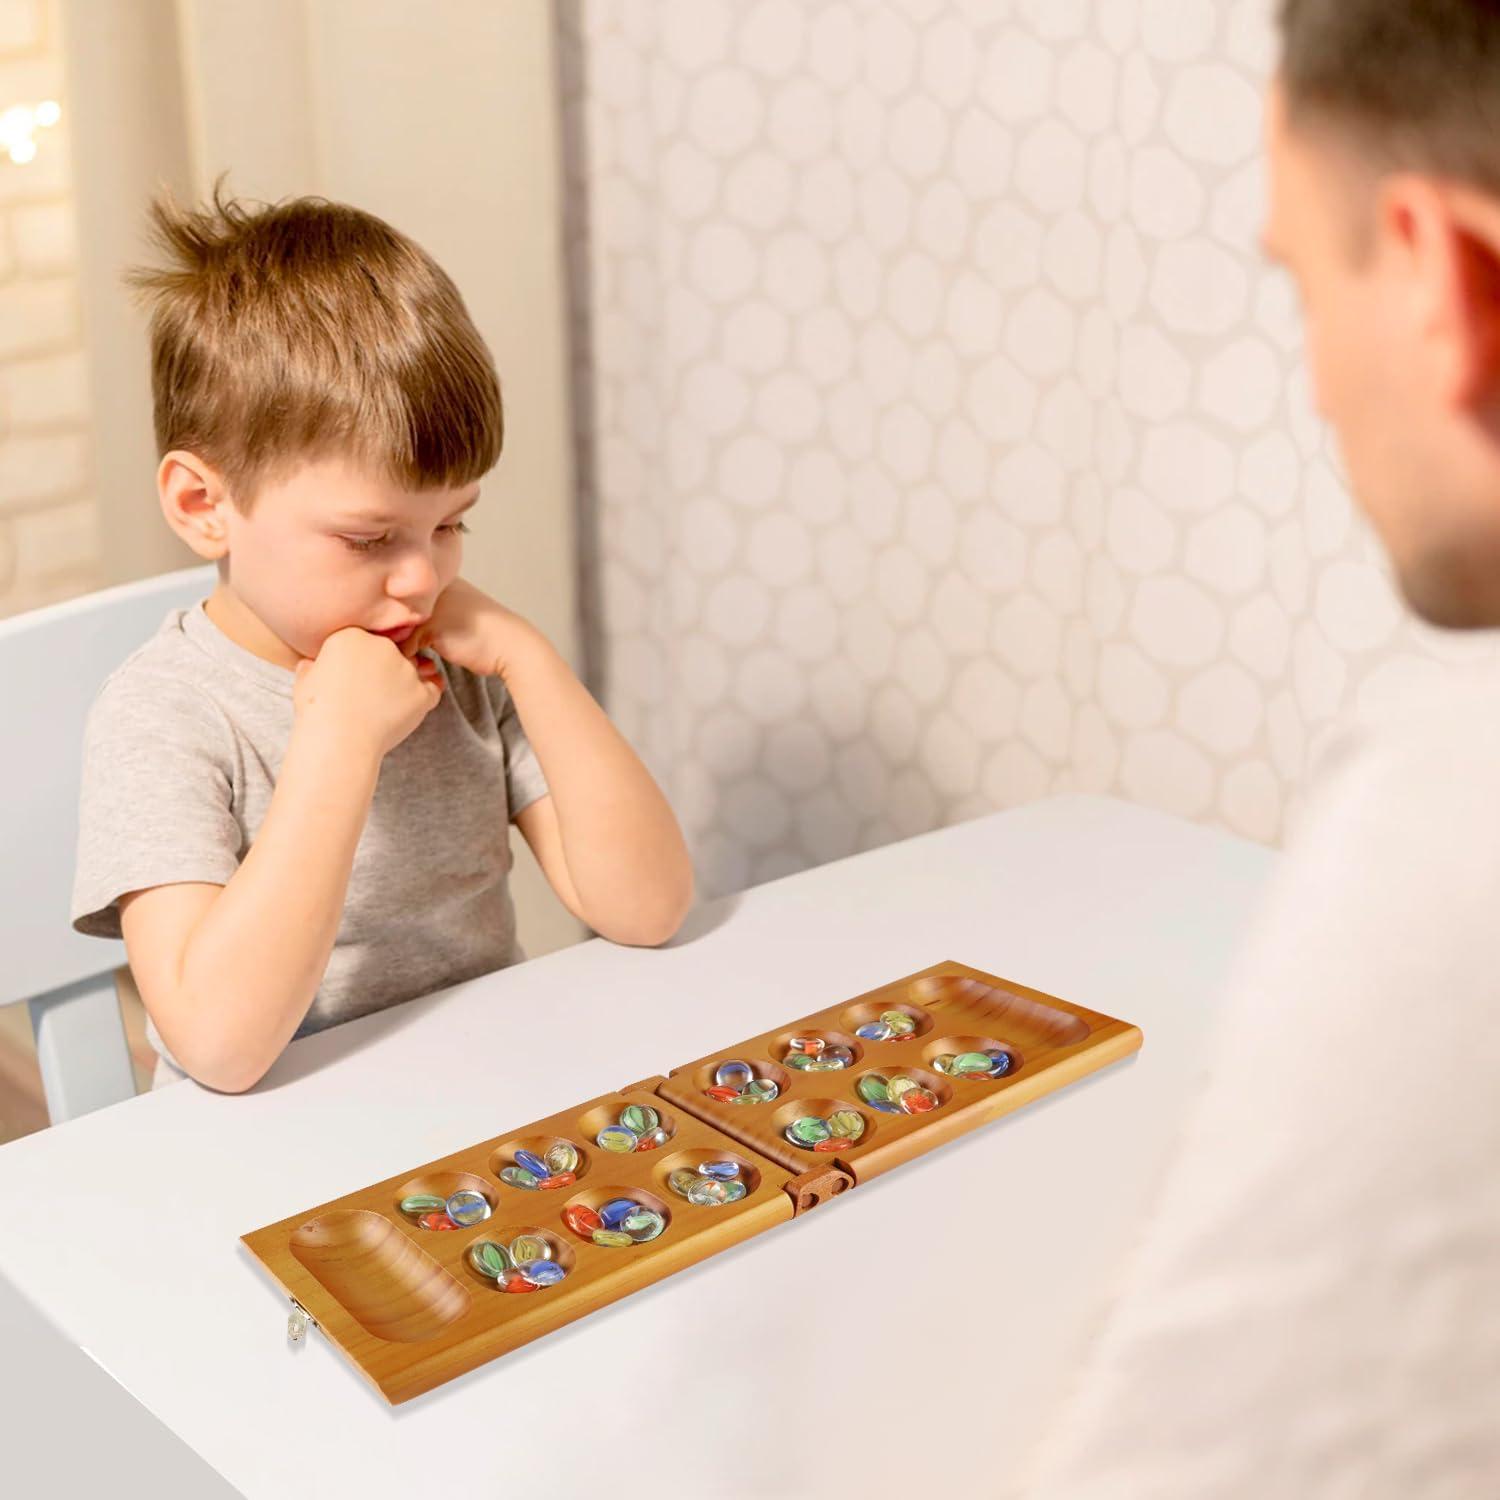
(1315, 1308)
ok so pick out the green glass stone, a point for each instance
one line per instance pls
(874, 1089)
(518, 1177)
(762, 1088)
(809, 1130)
(640, 1118)
(615, 1239)
(848, 1123)
(734, 1191)
(645, 1224)
(824, 1065)
(526, 1248)
(801, 1061)
(422, 1203)
(750, 1099)
(489, 1259)
(973, 1062)
(563, 1157)
(682, 1179)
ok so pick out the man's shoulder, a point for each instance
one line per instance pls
(165, 681)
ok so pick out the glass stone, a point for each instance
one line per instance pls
(614, 1239)
(919, 1101)
(467, 1207)
(874, 1031)
(707, 1193)
(563, 1157)
(421, 1203)
(640, 1118)
(558, 1180)
(1002, 1061)
(733, 1075)
(517, 1177)
(900, 1023)
(581, 1219)
(644, 1224)
(725, 1171)
(619, 1139)
(653, 1140)
(526, 1248)
(436, 1220)
(543, 1272)
(810, 1046)
(489, 1259)
(943, 1062)
(972, 1062)
(516, 1282)
(613, 1213)
(840, 1054)
(682, 1179)
(896, 1087)
(734, 1191)
(825, 1065)
(764, 1089)
(873, 1088)
(809, 1130)
(722, 1094)
(529, 1161)
(848, 1123)
(800, 1061)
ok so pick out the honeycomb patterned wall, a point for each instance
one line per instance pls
(944, 443)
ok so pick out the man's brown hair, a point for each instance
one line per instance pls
(306, 329)
(1417, 81)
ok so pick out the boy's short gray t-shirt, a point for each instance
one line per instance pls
(181, 754)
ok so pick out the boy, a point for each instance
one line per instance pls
(297, 795)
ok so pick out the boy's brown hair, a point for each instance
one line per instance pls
(1415, 81)
(292, 331)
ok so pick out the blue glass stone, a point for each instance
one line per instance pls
(725, 1171)
(874, 1031)
(616, 1211)
(1002, 1064)
(532, 1163)
(543, 1272)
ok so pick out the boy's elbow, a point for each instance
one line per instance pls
(649, 926)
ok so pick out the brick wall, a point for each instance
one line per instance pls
(49, 534)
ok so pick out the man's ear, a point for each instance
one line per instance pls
(195, 501)
(1449, 237)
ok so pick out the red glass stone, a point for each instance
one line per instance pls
(722, 1094)
(515, 1282)
(558, 1179)
(436, 1220)
(833, 1143)
(581, 1219)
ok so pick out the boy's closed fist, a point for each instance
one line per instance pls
(361, 686)
(469, 629)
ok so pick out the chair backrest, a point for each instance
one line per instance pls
(53, 662)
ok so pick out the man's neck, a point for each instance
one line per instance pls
(236, 620)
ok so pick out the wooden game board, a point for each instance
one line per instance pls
(408, 1310)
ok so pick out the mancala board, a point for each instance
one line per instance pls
(411, 1308)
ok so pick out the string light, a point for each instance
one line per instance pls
(18, 127)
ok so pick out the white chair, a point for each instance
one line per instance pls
(52, 663)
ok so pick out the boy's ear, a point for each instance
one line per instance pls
(195, 501)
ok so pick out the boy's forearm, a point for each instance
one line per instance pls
(254, 963)
(624, 850)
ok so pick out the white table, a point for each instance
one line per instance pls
(990, 1259)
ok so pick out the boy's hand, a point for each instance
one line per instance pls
(469, 629)
(361, 685)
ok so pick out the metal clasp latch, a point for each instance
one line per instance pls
(298, 1321)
